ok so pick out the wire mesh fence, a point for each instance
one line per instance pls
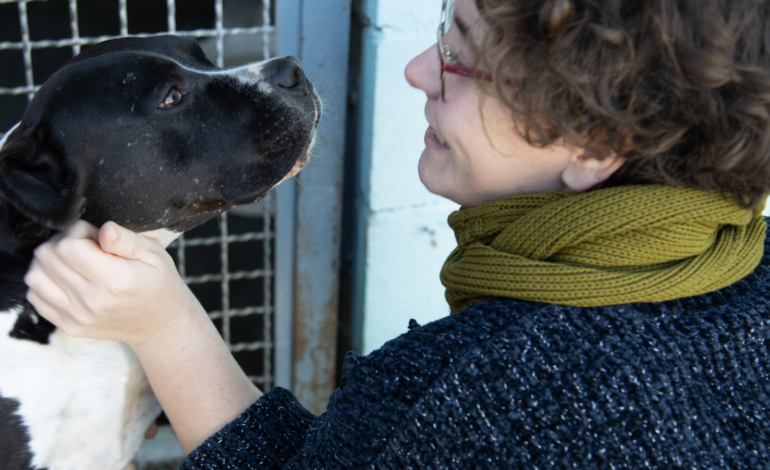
(228, 262)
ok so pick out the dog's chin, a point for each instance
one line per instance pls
(297, 168)
(301, 162)
(163, 236)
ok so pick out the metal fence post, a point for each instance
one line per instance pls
(325, 34)
(288, 19)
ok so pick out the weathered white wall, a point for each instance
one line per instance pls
(406, 234)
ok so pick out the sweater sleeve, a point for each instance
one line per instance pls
(268, 435)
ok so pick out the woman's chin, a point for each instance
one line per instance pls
(435, 182)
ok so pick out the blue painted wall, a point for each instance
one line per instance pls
(403, 234)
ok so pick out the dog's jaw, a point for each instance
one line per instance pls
(163, 236)
(303, 160)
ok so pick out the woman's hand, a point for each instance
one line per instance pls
(116, 285)
(110, 284)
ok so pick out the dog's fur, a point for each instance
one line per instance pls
(95, 144)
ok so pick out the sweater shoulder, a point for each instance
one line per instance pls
(530, 384)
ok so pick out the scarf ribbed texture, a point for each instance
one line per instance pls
(646, 243)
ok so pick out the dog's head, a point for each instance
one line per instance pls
(148, 133)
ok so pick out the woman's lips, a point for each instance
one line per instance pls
(434, 139)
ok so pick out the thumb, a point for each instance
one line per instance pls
(125, 243)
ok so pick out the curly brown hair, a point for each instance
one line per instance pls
(687, 79)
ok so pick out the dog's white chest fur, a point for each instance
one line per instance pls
(85, 403)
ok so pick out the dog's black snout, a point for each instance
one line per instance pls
(288, 73)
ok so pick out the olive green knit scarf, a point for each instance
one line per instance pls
(644, 243)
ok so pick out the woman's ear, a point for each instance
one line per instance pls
(589, 168)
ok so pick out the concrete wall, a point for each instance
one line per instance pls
(404, 234)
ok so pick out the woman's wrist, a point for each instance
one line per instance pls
(173, 330)
(195, 377)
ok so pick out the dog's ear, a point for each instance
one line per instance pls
(39, 188)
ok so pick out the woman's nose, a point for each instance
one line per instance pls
(424, 72)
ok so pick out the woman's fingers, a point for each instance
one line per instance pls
(82, 229)
(76, 253)
(58, 261)
(127, 244)
(129, 291)
(47, 289)
(43, 308)
(61, 274)
(63, 322)
(57, 303)
(70, 252)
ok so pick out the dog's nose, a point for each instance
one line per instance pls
(287, 73)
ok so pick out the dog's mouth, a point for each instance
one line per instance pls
(305, 157)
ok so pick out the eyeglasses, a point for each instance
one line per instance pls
(449, 61)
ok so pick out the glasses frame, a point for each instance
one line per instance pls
(446, 56)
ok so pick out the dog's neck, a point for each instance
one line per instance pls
(9, 244)
(5, 137)
(163, 236)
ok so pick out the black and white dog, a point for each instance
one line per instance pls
(148, 133)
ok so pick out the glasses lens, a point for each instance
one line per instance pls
(447, 14)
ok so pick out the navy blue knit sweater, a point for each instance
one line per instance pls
(512, 384)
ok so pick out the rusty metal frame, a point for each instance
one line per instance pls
(323, 46)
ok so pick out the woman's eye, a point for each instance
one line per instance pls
(172, 99)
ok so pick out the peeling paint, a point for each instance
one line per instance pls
(315, 347)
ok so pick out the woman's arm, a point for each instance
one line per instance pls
(196, 379)
(113, 284)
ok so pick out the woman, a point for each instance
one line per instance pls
(610, 290)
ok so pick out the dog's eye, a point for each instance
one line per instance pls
(172, 99)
